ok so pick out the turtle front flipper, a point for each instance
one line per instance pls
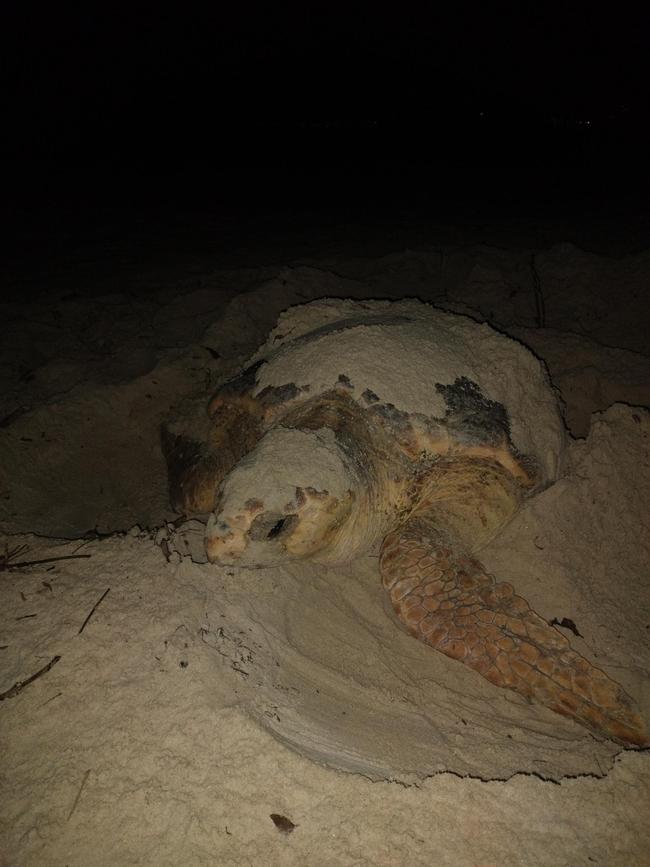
(197, 462)
(446, 598)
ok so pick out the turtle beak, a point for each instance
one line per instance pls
(225, 541)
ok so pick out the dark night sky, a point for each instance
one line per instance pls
(105, 82)
(572, 56)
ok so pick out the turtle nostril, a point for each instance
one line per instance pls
(276, 529)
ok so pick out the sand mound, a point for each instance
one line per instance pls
(167, 715)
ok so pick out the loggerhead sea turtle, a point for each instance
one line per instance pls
(397, 427)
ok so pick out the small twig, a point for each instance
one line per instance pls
(20, 685)
(18, 565)
(10, 554)
(50, 699)
(76, 800)
(83, 544)
(93, 609)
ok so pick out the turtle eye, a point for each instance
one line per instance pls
(270, 525)
(276, 529)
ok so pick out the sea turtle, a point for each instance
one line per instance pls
(403, 429)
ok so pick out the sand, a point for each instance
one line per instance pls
(197, 702)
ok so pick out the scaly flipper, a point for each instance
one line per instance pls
(450, 602)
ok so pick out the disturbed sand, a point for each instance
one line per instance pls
(192, 706)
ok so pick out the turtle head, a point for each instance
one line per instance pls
(292, 497)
